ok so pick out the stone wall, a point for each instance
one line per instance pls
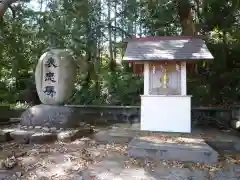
(131, 114)
(6, 113)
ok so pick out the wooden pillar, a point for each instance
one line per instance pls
(183, 79)
(146, 78)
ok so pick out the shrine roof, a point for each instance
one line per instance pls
(166, 48)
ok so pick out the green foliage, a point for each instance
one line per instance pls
(116, 88)
(87, 27)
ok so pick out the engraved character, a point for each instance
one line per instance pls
(49, 76)
(49, 90)
(51, 62)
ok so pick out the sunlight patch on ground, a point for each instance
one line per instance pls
(172, 140)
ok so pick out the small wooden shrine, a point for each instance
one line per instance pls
(165, 105)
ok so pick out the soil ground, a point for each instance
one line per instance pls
(70, 160)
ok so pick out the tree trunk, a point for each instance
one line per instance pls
(187, 23)
(110, 47)
(122, 19)
(115, 31)
(4, 5)
(186, 19)
(97, 63)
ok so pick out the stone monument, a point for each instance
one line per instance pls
(55, 76)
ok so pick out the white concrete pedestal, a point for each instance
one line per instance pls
(166, 113)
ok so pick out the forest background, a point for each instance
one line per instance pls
(96, 29)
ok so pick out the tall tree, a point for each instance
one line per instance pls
(186, 17)
(5, 4)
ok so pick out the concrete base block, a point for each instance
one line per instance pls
(179, 149)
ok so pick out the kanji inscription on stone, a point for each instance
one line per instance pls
(50, 91)
(49, 76)
(51, 62)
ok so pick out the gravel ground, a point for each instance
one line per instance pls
(65, 161)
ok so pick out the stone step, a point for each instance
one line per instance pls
(168, 148)
(39, 135)
(124, 133)
(217, 139)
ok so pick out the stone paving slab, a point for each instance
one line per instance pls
(234, 170)
(7, 175)
(21, 136)
(112, 168)
(42, 137)
(73, 134)
(122, 133)
(113, 136)
(39, 135)
(179, 174)
(135, 128)
(5, 135)
(185, 149)
(221, 140)
(231, 172)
